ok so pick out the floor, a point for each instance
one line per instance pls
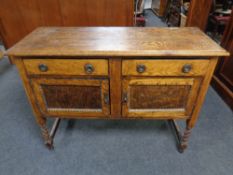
(152, 20)
(100, 147)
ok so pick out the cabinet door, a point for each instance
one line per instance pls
(159, 97)
(72, 97)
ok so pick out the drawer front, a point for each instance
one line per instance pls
(66, 66)
(164, 67)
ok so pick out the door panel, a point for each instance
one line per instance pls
(159, 97)
(57, 96)
(72, 97)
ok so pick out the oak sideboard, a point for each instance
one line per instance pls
(116, 73)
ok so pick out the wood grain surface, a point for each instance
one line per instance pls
(66, 66)
(116, 41)
(115, 87)
(20, 17)
(165, 67)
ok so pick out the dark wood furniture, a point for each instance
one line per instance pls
(19, 17)
(117, 73)
(198, 13)
(219, 22)
(223, 77)
(159, 7)
(173, 14)
(218, 19)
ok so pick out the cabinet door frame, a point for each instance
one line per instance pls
(72, 112)
(194, 82)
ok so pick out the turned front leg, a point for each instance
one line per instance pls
(200, 99)
(40, 119)
(48, 140)
(184, 139)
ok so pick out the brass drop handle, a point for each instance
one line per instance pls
(106, 98)
(141, 68)
(43, 67)
(124, 98)
(186, 68)
(89, 68)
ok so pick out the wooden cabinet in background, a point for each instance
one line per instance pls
(173, 17)
(19, 17)
(159, 7)
(198, 13)
(223, 77)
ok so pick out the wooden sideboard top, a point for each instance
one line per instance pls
(116, 41)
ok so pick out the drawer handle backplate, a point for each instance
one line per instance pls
(43, 67)
(124, 98)
(187, 68)
(89, 68)
(141, 68)
(106, 98)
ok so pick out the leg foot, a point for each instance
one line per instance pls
(180, 150)
(47, 138)
(184, 140)
(49, 145)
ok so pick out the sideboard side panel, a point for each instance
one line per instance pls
(29, 91)
(202, 92)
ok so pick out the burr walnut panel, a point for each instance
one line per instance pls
(72, 97)
(159, 97)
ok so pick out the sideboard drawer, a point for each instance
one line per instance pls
(66, 66)
(165, 67)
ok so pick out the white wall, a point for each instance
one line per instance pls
(147, 4)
